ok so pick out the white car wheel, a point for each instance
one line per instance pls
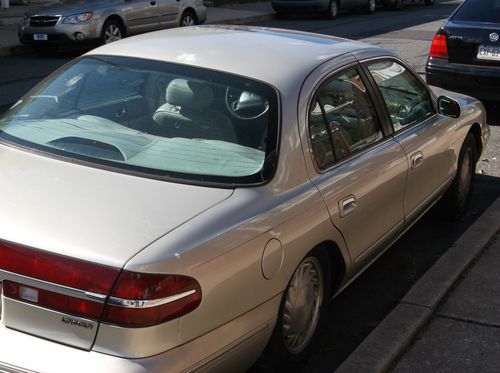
(111, 32)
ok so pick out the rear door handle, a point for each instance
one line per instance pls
(416, 160)
(347, 205)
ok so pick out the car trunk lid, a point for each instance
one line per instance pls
(66, 230)
(465, 40)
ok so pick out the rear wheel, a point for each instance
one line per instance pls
(188, 19)
(333, 9)
(370, 7)
(112, 31)
(302, 305)
(456, 200)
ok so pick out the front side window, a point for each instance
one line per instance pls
(151, 117)
(408, 100)
(342, 120)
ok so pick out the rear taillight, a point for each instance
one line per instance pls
(439, 47)
(57, 269)
(140, 299)
(94, 291)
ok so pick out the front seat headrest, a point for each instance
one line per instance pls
(189, 94)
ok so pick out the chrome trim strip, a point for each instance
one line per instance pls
(130, 303)
(49, 286)
(7, 368)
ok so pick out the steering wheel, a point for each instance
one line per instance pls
(415, 110)
(245, 105)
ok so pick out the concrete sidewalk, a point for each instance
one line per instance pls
(233, 14)
(449, 321)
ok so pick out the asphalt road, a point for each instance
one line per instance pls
(372, 296)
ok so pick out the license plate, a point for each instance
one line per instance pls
(40, 37)
(488, 52)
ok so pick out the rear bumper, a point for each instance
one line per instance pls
(481, 82)
(230, 348)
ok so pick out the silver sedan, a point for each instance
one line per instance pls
(185, 208)
(70, 22)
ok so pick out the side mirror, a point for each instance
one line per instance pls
(448, 106)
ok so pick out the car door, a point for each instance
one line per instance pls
(169, 12)
(141, 15)
(359, 170)
(419, 130)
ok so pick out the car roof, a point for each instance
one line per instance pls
(276, 56)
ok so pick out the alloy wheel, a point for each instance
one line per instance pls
(372, 5)
(188, 20)
(112, 33)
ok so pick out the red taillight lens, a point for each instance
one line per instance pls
(439, 47)
(137, 299)
(57, 269)
(140, 300)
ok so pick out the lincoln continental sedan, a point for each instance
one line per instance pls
(187, 199)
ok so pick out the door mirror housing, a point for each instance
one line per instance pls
(448, 106)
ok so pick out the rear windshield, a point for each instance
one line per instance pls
(479, 11)
(151, 117)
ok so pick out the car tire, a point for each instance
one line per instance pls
(112, 31)
(429, 2)
(456, 199)
(333, 9)
(296, 335)
(371, 6)
(188, 18)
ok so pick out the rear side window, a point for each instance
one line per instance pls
(342, 120)
(479, 11)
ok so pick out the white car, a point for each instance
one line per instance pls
(96, 21)
(182, 200)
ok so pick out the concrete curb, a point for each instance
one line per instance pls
(15, 50)
(11, 21)
(386, 343)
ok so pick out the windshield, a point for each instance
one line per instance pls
(479, 11)
(151, 117)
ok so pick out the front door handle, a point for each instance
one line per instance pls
(347, 205)
(416, 160)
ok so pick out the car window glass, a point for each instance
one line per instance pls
(152, 117)
(342, 120)
(479, 11)
(120, 84)
(407, 99)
